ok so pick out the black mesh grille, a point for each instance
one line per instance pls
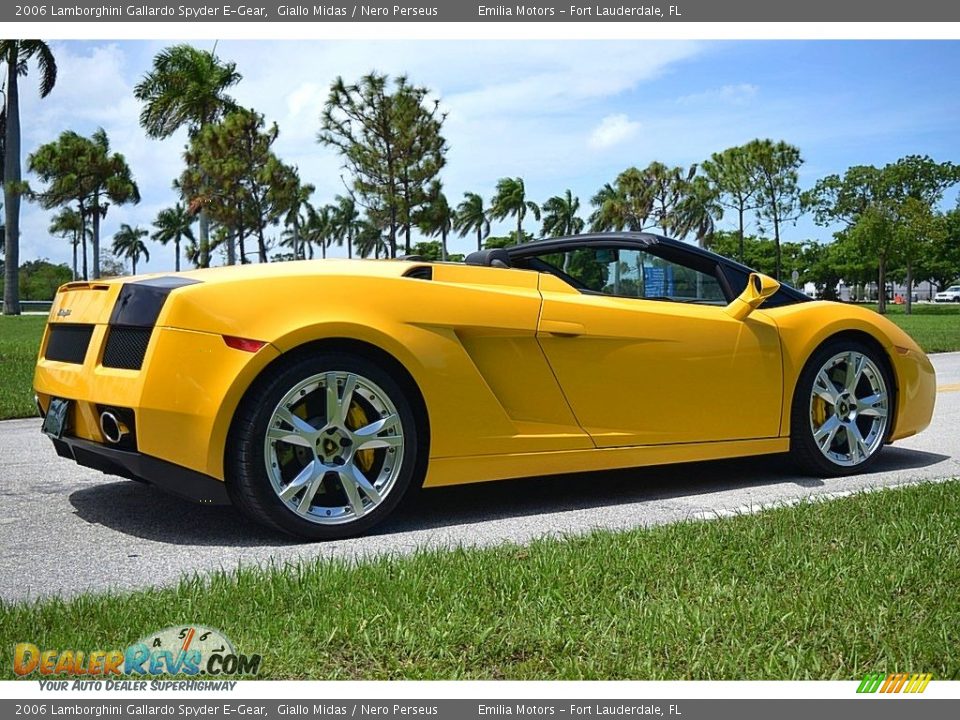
(126, 347)
(68, 343)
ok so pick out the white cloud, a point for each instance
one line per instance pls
(739, 94)
(613, 130)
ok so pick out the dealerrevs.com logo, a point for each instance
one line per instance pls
(178, 650)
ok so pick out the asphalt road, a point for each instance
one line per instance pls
(65, 529)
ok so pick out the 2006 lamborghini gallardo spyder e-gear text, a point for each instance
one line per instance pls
(314, 394)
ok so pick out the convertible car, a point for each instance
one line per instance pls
(313, 395)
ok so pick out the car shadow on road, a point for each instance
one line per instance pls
(142, 511)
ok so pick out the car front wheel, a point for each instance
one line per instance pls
(324, 448)
(841, 409)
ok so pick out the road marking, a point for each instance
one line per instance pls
(952, 387)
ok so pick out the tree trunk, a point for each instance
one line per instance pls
(133, 264)
(776, 240)
(349, 244)
(480, 237)
(443, 245)
(204, 250)
(243, 250)
(296, 239)
(96, 235)
(882, 290)
(176, 246)
(392, 238)
(261, 245)
(83, 235)
(76, 242)
(740, 212)
(11, 192)
(232, 248)
(909, 300)
(519, 228)
(406, 237)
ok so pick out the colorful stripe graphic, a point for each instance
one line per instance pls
(894, 683)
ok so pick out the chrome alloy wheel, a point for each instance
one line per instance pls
(849, 407)
(334, 447)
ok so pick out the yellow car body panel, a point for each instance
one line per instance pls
(519, 373)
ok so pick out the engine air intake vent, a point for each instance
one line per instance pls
(126, 347)
(68, 343)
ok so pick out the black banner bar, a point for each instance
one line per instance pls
(326, 11)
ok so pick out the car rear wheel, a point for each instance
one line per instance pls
(324, 448)
(841, 409)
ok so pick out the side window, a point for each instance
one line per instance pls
(633, 273)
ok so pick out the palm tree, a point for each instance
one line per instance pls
(437, 217)
(370, 239)
(698, 211)
(110, 179)
(319, 229)
(174, 224)
(17, 55)
(68, 224)
(128, 242)
(624, 205)
(186, 88)
(346, 220)
(511, 199)
(298, 200)
(470, 216)
(560, 216)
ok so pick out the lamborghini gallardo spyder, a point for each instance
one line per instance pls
(314, 394)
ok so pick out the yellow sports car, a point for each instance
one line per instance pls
(314, 394)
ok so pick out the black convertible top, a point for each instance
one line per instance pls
(734, 273)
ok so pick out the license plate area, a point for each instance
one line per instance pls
(55, 421)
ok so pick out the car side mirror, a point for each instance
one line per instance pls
(759, 288)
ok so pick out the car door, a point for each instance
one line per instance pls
(646, 355)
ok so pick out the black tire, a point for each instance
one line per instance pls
(803, 448)
(247, 480)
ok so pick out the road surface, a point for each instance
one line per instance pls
(66, 529)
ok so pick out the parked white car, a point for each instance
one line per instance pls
(951, 294)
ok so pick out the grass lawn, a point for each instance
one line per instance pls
(827, 590)
(936, 328)
(19, 343)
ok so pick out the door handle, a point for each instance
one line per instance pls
(561, 328)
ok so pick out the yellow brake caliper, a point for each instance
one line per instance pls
(819, 411)
(357, 418)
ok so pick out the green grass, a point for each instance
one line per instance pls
(936, 328)
(817, 590)
(19, 343)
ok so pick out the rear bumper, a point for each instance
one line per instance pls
(175, 479)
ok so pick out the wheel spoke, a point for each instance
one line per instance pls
(873, 405)
(855, 442)
(299, 425)
(361, 481)
(289, 436)
(348, 388)
(303, 478)
(855, 362)
(823, 387)
(353, 494)
(388, 441)
(377, 426)
(827, 432)
(332, 397)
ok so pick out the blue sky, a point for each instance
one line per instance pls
(562, 114)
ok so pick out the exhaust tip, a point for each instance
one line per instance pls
(112, 428)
